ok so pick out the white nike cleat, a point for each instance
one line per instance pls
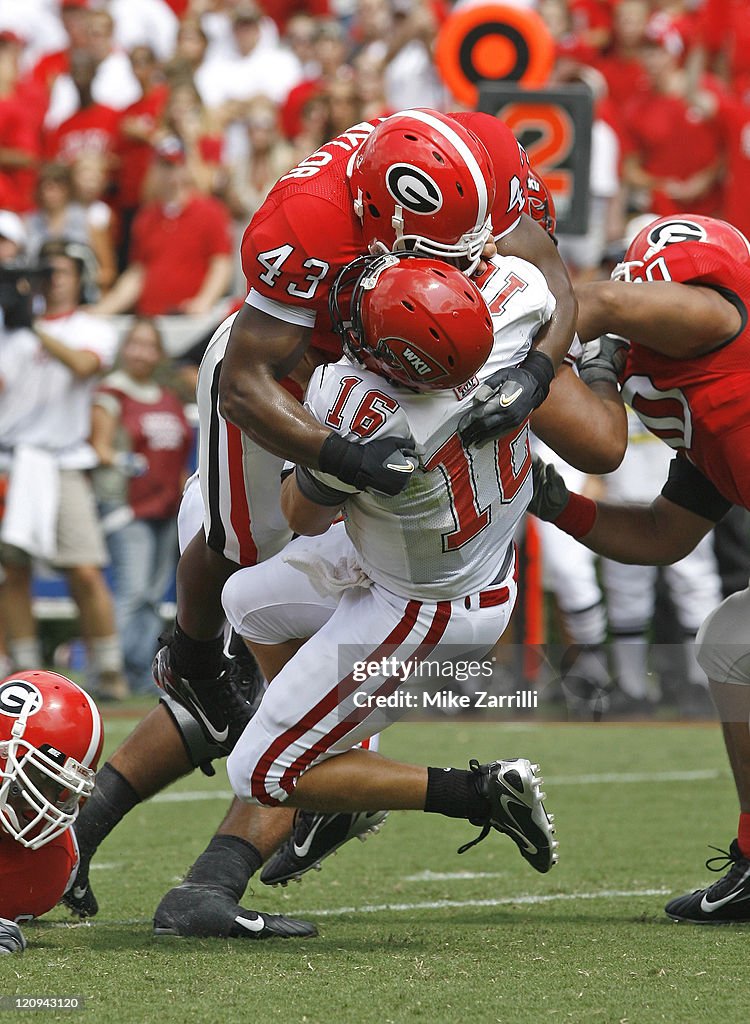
(727, 901)
(513, 791)
(315, 837)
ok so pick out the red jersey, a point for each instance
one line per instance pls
(674, 141)
(302, 235)
(734, 117)
(91, 130)
(307, 230)
(160, 431)
(18, 131)
(176, 249)
(700, 406)
(33, 881)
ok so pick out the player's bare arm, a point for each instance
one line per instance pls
(657, 534)
(305, 517)
(530, 242)
(655, 315)
(262, 350)
(584, 423)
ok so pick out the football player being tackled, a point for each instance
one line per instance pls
(687, 376)
(50, 740)
(352, 196)
(422, 575)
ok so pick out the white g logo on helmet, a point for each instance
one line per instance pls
(17, 694)
(413, 189)
(673, 232)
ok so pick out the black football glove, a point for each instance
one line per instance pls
(11, 937)
(603, 359)
(551, 494)
(517, 391)
(384, 465)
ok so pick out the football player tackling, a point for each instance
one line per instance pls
(682, 299)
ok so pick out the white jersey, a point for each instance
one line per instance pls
(42, 402)
(449, 532)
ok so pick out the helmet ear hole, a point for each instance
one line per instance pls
(373, 211)
(409, 305)
(434, 334)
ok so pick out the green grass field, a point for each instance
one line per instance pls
(409, 931)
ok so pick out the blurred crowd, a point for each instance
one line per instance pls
(137, 139)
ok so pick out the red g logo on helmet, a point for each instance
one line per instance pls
(423, 183)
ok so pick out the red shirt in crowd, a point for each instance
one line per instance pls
(19, 129)
(282, 10)
(50, 67)
(674, 140)
(135, 156)
(734, 118)
(90, 130)
(159, 431)
(176, 249)
(724, 26)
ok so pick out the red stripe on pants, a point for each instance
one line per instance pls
(239, 511)
(436, 630)
(325, 706)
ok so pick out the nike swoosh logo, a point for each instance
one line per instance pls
(507, 802)
(709, 906)
(252, 926)
(219, 737)
(510, 399)
(79, 893)
(401, 468)
(304, 849)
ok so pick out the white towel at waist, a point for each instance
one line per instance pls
(30, 520)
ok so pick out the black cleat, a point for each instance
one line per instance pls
(193, 910)
(216, 704)
(727, 901)
(513, 792)
(11, 937)
(315, 837)
(80, 899)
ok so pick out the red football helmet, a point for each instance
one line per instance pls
(510, 165)
(418, 322)
(540, 205)
(423, 183)
(673, 230)
(50, 740)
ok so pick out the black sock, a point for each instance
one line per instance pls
(196, 659)
(453, 792)
(228, 861)
(111, 800)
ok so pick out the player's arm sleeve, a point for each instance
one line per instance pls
(687, 487)
(321, 493)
